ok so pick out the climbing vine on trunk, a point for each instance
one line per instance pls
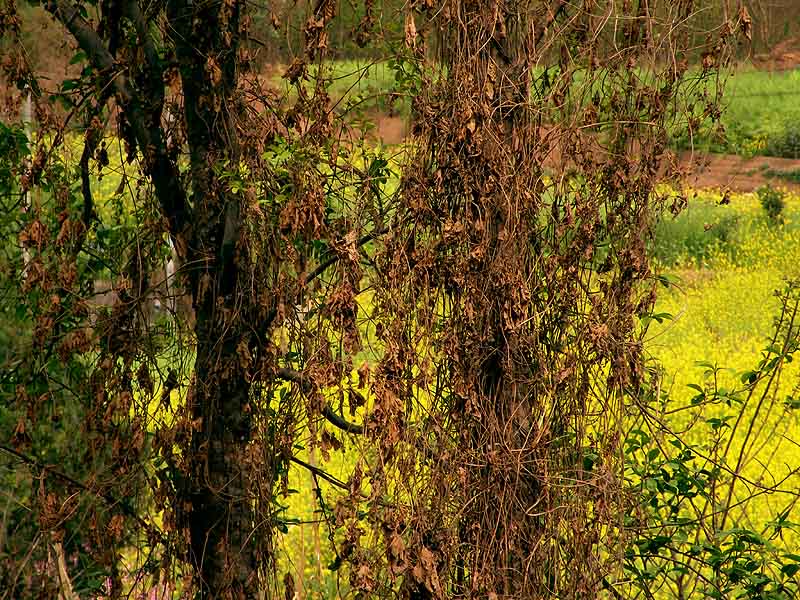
(513, 280)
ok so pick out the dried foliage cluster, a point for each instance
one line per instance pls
(518, 257)
(480, 321)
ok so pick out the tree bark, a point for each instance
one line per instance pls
(220, 519)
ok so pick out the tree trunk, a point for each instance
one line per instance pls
(221, 513)
(220, 516)
(485, 158)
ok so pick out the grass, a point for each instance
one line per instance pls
(761, 116)
(790, 175)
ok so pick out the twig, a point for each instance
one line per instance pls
(63, 577)
(330, 415)
(320, 473)
(110, 500)
(319, 270)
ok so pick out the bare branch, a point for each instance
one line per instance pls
(320, 473)
(330, 415)
(158, 165)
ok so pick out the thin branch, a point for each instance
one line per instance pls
(330, 415)
(335, 258)
(110, 500)
(320, 473)
(86, 187)
(319, 270)
(66, 585)
(553, 13)
(161, 169)
(610, 588)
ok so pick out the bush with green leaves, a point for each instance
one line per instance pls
(786, 142)
(708, 515)
(696, 233)
(773, 201)
(44, 460)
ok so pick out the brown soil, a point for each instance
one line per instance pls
(391, 130)
(732, 172)
(784, 56)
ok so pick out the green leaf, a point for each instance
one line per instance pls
(718, 423)
(792, 403)
(661, 317)
(794, 557)
(749, 377)
(335, 564)
(667, 280)
(791, 569)
(79, 57)
(70, 84)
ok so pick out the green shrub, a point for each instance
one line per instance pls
(786, 142)
(697, 527)
(772, 201)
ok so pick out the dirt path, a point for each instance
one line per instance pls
(723, 171)
(732, 172)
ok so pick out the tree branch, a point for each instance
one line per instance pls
(108, 498)
(335, 257)
(86, 188)
(265, 324)
(553, 13)
(306, 385)
(67, 591)
(320, 473)
(341, 422)
(155, 71)
(163, 171)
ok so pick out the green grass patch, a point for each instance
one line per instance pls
(718, 231)
(761, 116)
(791, 175)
